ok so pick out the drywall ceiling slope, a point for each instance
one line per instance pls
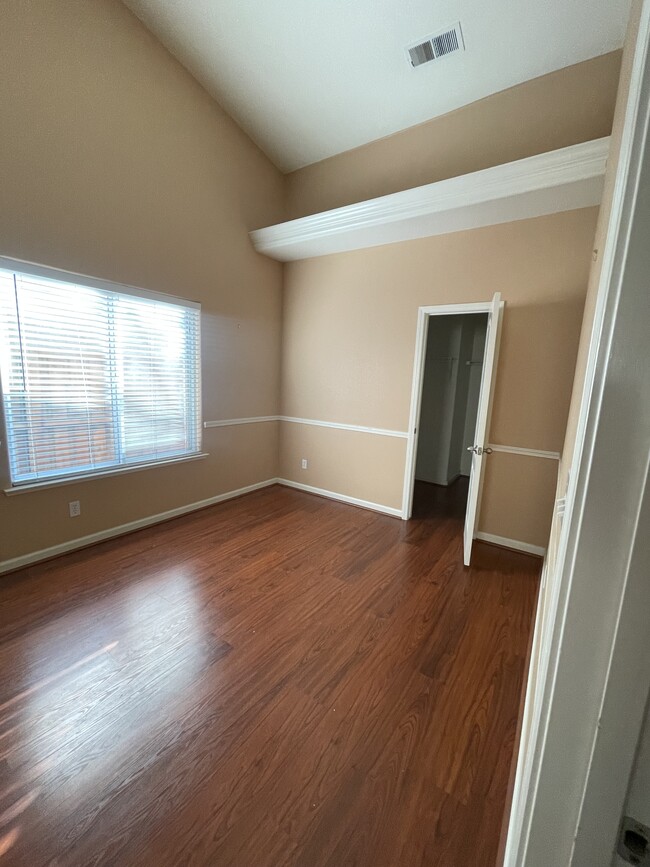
(308, 80)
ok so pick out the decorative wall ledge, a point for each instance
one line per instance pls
(548, 183)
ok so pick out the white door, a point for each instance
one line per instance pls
(482, 422)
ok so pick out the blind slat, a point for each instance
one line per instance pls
(94, 378)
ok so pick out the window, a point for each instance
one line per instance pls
(95, 378)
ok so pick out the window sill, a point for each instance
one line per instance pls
(86, 477)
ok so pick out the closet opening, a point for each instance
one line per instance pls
(450, 394)
(453, 383)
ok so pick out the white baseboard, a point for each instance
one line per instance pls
(122, 529)
(526, 547)
(352, 501)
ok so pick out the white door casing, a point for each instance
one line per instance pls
(585, 712)
(493, 309)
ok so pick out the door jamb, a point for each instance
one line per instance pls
(416, 387)
(585, 716)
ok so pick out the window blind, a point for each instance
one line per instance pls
(94, 378)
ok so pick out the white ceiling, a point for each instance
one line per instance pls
(311, 78)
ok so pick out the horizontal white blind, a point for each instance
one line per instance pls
(94, 378)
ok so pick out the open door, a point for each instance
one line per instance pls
(479, 449)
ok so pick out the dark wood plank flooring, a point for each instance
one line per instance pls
(278, 680)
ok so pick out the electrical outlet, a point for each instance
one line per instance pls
(304, 463)
(75, 508)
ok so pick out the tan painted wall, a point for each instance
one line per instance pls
(349, 320)
(571, 105)
(348, 344)
(114, 162)
(347, 462)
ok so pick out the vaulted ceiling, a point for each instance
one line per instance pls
(311, 78)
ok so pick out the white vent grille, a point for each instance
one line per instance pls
(434, 47)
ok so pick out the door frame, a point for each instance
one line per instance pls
(584, 715)
(417, 383)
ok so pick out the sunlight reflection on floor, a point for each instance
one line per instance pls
(8, 840)
(89, 710)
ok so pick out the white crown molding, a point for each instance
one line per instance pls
(560, 180)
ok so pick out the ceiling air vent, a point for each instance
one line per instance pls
(434, 47)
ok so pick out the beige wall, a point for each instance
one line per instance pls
(349, 319)
(114, 162)
(351, 463)
(348, 344)
(571, 105)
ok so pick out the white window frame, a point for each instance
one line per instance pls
(46, 272)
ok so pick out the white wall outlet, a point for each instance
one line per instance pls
(75, 508)
(304, 463)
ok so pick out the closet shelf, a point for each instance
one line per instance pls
(560, 180)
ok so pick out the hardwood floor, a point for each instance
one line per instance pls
(277, 680)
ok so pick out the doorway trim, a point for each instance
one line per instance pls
(416, 387)
(585, 708)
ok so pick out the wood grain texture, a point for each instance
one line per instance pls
(277, 680)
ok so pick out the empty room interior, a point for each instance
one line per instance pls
(309, 315)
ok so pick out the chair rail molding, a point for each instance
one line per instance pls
(531, 453)
(378, 431)
(547, 183)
